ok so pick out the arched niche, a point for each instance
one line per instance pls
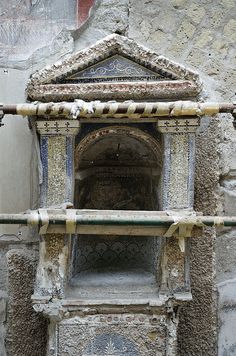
(117, 168)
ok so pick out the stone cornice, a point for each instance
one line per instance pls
(178, 89)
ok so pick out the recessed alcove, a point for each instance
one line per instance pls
(117, 168)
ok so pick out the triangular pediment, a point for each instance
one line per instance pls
(112, 59)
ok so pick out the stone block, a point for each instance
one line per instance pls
(226, 255)
(178, 4)
(2, 310)
(3, 319)
(230, 30)
(228, 4)
(227, 316)
(220, 46)
(186, 31)
(196, 12)
(205, 37)
(230, 202)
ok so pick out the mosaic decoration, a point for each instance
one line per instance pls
(124, 193)
(114, 334)
(110, 344)
(178, 125)
(115, 68)
(54, 127)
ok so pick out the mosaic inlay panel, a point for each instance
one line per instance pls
(113, 334)
(110, 344)
(56, 170)
(124, 193)
(115, 68)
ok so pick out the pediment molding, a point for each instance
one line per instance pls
(65, 79)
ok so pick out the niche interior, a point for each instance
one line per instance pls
(117, 168)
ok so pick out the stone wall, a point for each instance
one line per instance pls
(200, 34)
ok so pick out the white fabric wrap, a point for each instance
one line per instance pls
(182, 227)
(33, 218)
(43, 214)
(70, 221)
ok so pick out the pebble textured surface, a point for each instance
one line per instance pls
(26, 329)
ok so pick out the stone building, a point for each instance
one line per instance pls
(131, 131)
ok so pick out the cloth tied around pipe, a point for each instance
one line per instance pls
(42, 217)
(37, 217)
(182, 227)
(184, 221)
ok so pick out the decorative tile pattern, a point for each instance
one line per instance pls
(179, 172)
(57, 179)
(44, 159)
(115, 68)
(57, 127)
(113, 334)
(111, 344)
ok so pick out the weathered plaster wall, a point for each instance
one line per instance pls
(202, 34)
(32, 34)
(198, 33)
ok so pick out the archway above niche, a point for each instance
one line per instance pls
(121, 155)
(124, 133)
(114, 68)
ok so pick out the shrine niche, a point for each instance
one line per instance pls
(117, 168)
(104, 288)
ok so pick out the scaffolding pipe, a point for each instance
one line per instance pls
(81, 109)
(118, 218)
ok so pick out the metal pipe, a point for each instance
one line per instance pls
(115, 217)
(80, 108)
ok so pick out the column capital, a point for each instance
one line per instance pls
(57, 126)
(173, 125)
